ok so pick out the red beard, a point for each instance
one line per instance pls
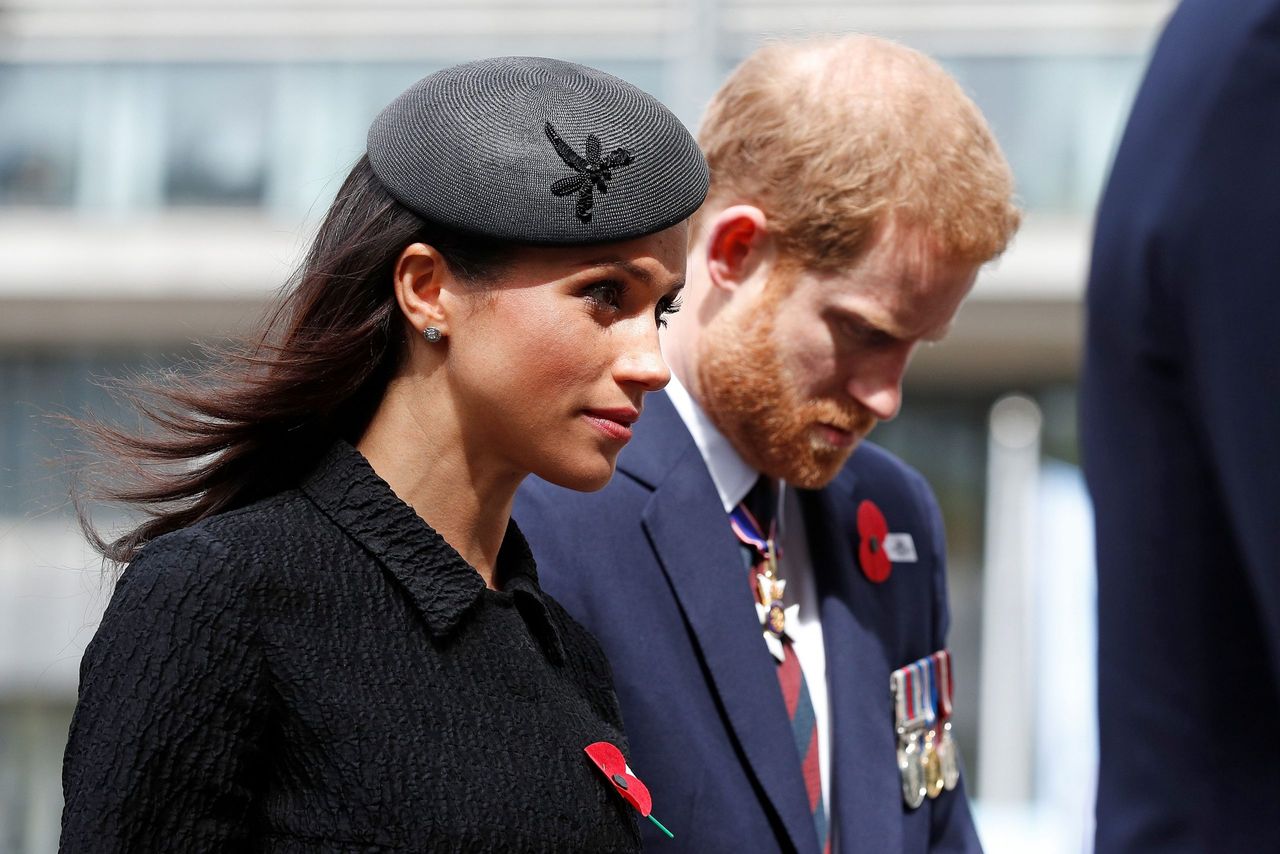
(750, 396)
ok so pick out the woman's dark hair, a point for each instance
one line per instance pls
(258, 415)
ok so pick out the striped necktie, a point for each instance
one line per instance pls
(750, 520)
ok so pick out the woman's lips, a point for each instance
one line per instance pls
(614, 423)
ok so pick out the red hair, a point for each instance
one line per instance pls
(833, 136)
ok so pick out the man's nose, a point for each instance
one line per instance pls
(878, 386)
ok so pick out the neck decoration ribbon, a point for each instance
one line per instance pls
(775, 615)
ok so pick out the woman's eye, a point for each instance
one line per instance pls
(605, 294)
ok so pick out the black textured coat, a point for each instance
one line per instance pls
(321, 671)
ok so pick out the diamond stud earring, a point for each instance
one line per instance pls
(432, 334)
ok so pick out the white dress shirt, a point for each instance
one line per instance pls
(733, 479)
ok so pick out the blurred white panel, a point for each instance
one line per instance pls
(1011, 28)
(1005, 756)
(1055, 813)
(52, 592)
(189, 29)
(1066, 655)
(1048, 260)
(203, 29)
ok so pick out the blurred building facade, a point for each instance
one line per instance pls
(161, 164)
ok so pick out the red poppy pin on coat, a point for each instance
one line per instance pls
(872, 531)
(614, 766)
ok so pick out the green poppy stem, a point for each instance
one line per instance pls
(669, 834)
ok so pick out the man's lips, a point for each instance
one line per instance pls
(614, 423)
(837, 436)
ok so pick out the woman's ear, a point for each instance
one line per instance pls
(420, 278)
(739, 247)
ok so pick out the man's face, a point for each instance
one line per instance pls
(796, 371)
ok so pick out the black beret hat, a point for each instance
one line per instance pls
(537, 150)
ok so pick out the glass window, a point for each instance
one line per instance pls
(217, 130)
(40, 133)
(130, 137)
(1057, 118)
(37, 448)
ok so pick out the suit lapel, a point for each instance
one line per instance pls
(695, 546)
(866, 798)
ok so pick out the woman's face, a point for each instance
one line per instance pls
(549, 367)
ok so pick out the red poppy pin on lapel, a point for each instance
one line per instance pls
(611, 763)
(872, 530)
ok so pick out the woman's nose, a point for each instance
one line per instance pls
(642, 364)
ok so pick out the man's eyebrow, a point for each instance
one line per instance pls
(859, 319)
(873, 327)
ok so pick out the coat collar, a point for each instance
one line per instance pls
(700, 556)
(731, 474)
(443, 586)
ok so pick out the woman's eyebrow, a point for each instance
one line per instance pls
(634, 270)
(629, 267)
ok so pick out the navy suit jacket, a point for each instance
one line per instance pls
(1181, 421)
(652, 568)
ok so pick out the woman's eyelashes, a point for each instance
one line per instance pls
(668, 305)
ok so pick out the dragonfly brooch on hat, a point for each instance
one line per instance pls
(594, 171)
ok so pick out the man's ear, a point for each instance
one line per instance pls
(739, 247)
(419, 279)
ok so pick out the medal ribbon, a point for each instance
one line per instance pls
(795, 691)
(930, 666)
(916, 695)
(912, 702)
(921, 668)
(942, 659)
(923, 690)
(748, 530)
(911, 694)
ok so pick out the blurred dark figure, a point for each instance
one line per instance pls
(1181, 404)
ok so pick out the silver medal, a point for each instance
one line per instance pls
(911, 769)
(949, 755)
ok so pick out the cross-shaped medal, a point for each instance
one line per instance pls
(774, 615)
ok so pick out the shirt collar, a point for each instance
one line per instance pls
(730, 473)
(441, 583)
